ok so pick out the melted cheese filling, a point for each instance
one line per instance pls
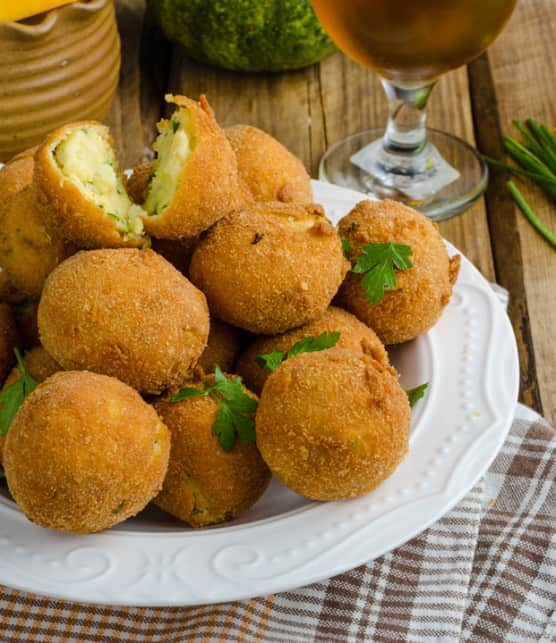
(172, 147)
(86, 158)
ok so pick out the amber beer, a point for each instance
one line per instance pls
(410, 41)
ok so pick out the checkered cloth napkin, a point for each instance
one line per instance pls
(484, 572)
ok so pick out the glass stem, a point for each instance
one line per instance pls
(406, 132)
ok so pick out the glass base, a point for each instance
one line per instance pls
(441, 181)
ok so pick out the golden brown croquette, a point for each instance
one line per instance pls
(14, 176)
(8, 340)
(333, 425)
(29, 250)
(421, 293)
(78, 182)
(268, 169)
(270, 266)
(39, 365)
(222, 347)
(204, 484)
(354, 335)
(195, 179)
(126, 313)
(85, 452)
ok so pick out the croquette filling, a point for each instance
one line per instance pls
(86, 159)
(172, 147)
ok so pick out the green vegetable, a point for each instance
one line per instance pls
(271, 361)
(236, 409)
(536, 156)
(245, 35)
(175, 125)
(11, 398)
(346, 246)
(530, 214)
(415, 394)
(377, 263)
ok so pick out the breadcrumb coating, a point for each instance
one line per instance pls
(269, 170)
(354, 335)
(126, 313)
(205, 484)
(333, 425)
(85, 452)
(269, 267)
(422, 292)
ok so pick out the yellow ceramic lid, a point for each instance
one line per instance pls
(11, 11)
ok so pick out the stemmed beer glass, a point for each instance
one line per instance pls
(410, 44)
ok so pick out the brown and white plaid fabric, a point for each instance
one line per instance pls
(484, 572)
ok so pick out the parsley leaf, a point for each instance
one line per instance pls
(187, 393)
(223, 427)
(11, 398)
(346, 246)
(271, 360)
(236, 410)
(325, 340)
(377, 263)
(415, 394)
(175, 125)
(314, 344)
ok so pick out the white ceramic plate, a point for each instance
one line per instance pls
(285, 541)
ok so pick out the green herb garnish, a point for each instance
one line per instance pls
(271, 361)
(530, 213)
(11, 398)
(377, 263)
(236, 409)
(346, 246)
(175, 126)
(415, 394)
(536, 159)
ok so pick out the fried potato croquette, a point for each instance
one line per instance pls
(421, 293)
(205, 484)
(126, 313)
(177, 251)
(195, 180)
(29, 250)
(333, 425)
(222, 347)
(268, 169)
(78, 181)
(15, 175)
(8, 340)
(39, 365)
(354, 335)
(85, 452)
(270, 266)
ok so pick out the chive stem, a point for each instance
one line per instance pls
(530, 214)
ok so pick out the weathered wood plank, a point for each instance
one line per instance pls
(503, 226)
(143, 78)
(523, 63)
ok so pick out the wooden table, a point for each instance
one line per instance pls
(308, 110)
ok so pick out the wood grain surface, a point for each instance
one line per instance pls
(307, 110)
